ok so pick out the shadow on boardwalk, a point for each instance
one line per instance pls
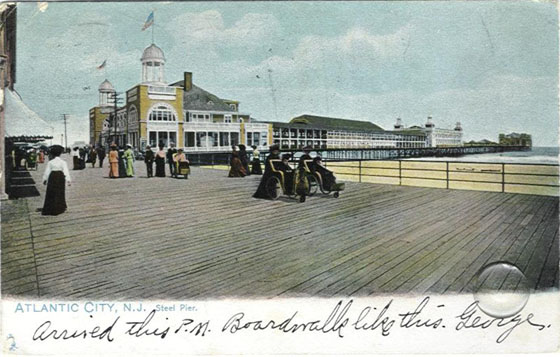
(207, 237)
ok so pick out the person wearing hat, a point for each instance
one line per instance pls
(305, 157)
(236, 166)
(93, 156)
(288, 171)
(329, 180)
(55, 176)
(122, 162)
(75, 158)
(256, 163)
(244, 159)
(170, 153)
(101, 155)
(160, 161)
(181, 162)
(149, 160)
(113, 162)
(268, 171)
(129, 160)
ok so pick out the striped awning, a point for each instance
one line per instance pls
(21, 120)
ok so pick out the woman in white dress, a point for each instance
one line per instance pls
(55, 177)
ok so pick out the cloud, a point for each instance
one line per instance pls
(208, 28)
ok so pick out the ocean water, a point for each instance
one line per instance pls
(538, 155)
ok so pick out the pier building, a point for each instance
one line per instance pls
(180, 113)
(188, 116)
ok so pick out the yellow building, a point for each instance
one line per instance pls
(179, 113)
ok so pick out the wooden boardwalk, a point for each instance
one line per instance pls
(207, 237)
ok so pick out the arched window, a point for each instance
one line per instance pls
(162, 113)
(132, 115)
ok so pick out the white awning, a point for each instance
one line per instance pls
(22, 121)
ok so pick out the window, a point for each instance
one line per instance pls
(293, 133)
(234, 138)
(249, 139)
(227, 118)
(189, 139)
(163, 138)
(161, 113)
(232, 106)
(264, 140)
(224, 139)
(212, 139)
(275, 132)
(132, 115)
(153, 139)
(285, 133)
(172, 137)
(256, 139)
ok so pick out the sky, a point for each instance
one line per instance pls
(493, 66)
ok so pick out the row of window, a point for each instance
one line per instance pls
(206, 139)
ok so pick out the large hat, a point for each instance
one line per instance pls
(286, 156)
(128, 145)
(274, 147)
(56, 150)
(307, 148)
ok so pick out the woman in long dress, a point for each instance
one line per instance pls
(244, 159)
(129, 158)
(329, 180)
(160, 162)
(237, 169)
(274, 155)
(55, 177)
(113, 162)
(256, 164)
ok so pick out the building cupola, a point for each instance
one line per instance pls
(458, 126)
(153, 61)
(398, 125)
(106, 91)
(429, 123)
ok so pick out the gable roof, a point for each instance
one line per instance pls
(199, 99)
(335, 123)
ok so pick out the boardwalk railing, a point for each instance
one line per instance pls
(537, 179)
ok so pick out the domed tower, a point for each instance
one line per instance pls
(429, 123)
(399, 125)
(458, 126)
(106, 90)
(152, 65)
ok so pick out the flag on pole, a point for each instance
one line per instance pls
(102, 65)
(149, 21)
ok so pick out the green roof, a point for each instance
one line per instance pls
(335, 123)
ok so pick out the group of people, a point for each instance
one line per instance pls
(121, 162)
(239, 162)
(173, 156)
(87, 154)
(294, 182)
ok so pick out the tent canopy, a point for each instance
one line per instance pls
(22, 121)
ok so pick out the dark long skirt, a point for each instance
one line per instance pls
(76, 162)
(256, 167)
(55, 199)
(237, 169)
(329, 180)
(160, 167)
(122, 168)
